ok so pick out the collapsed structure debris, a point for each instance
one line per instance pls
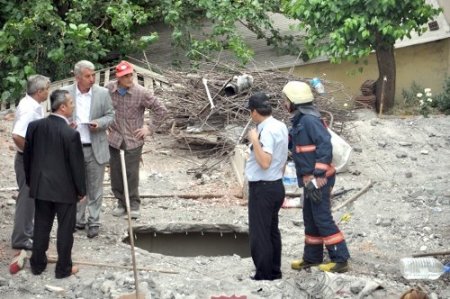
(207, 108)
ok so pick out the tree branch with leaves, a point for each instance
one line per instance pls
(352, 29)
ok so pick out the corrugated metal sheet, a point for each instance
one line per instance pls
(162, 53)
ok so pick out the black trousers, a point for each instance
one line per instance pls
(45, 212)
(265, 200)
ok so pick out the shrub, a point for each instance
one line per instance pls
(442, 102)
(419, 99)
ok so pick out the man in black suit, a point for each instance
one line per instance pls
(54, 171)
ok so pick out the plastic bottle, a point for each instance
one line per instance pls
(318, 86)
(427, 268)
(290, 178)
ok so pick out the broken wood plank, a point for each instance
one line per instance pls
(9, 189)
(53, 259)
(355, 197)
(447, 252)
(187, 196)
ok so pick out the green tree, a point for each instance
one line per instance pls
(48, 37)
(351, 29)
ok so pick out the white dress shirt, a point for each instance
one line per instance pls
(28, 110)
(273, 136)
(83, 111)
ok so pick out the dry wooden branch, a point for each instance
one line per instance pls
(53, 259)
(447, 252)
(205, 83)
(187, 196)
(9, 189)
(354, 197)
(189, 105)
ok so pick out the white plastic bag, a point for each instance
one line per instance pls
(341, 151)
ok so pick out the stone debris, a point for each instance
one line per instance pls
(55, 289)
(399, 216)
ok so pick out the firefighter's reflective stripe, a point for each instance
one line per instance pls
(329, 168)
(313, 240)
(334, 239)
(305, 148)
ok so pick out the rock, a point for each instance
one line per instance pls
(386, 222)
(11, 202)
(369, 288)
(403, 143)
(355, 172)
(357, 286)
(107, 286)
(297, 222)
(3, 281)
(408, 175)
(423, 248)
(401, 155)
(357, 149)
(427, 229)
(54, 289)
(424, 152)
(382, 143)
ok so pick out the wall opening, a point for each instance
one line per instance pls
(196, 243)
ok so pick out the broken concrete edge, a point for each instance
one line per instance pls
(172, 228)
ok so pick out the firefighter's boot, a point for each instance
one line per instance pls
(302, 264)
(334, 267)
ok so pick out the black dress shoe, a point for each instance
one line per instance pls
(273, 277)
(277, 276)
(80, 226)
(92, 232)
(27, 246)
(255, 277)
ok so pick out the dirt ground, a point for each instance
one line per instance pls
(404, 212)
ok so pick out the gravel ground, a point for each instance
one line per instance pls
(404, 212)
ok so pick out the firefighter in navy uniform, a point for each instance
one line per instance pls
(310, 145)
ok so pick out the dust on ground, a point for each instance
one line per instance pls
(404, 212)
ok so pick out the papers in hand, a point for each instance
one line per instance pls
(87, 124)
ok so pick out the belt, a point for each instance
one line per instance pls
(86, 144)
(255, 183)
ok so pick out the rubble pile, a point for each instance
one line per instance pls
(214, 124)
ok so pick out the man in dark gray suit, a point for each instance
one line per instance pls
(55, 174)
(92, 116)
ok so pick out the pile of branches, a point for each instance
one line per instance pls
(216, 130)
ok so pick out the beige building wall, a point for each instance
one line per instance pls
(427, 64)
(445, 4)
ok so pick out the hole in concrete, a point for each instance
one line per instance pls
(194, 243)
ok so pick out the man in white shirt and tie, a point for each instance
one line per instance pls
(28, 110)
